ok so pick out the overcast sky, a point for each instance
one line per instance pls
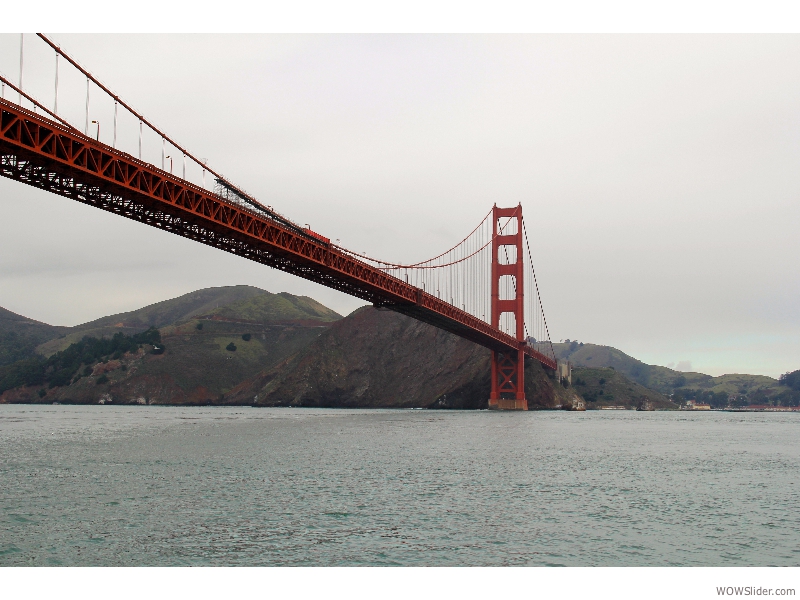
(658, 174)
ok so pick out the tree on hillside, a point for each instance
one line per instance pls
(59, 369)
(14, 347)
(791, 380)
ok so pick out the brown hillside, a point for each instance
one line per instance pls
(376, 358)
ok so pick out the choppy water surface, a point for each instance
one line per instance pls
(151, 485)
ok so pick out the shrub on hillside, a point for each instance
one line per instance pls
(231, 347)
(61, 367)
(246, 337)
(680, 381)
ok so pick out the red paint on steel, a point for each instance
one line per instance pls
(317, 236)
(46, 154)
(122, 103)
(508, 366)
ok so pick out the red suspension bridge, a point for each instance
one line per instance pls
(481, 289)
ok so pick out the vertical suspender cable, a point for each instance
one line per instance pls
(21, 46)
(122, 103)
(184, 166)
(116, 105)
(86, 128)
(479, 278)
(140, 139)
(163, 151)
(55, 102)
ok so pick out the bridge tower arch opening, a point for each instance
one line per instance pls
(507, 308)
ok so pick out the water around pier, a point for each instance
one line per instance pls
(147, 485)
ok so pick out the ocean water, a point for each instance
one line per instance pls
(147, 485)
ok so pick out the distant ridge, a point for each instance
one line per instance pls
(662, 379)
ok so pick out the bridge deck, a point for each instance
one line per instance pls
(51, 156)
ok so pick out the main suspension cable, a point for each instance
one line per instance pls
(124, 104)
(39, 104)
(536, 283)
(390, 266)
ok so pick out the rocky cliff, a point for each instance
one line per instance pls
(378, 358)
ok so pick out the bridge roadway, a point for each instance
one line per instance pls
(55, 157)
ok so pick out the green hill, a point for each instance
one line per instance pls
(593, 355)
(607, 387)
(667, 381)
(267, 307)
(241, 302)
(213, 339)
(19, 336)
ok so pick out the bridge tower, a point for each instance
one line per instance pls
(508, 368)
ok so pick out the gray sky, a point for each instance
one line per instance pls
(658, 174)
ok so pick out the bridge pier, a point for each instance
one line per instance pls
(512, 404)
(508, 381)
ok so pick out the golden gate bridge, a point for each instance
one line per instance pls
(481, 289)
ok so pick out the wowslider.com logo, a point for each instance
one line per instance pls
(754, 591)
